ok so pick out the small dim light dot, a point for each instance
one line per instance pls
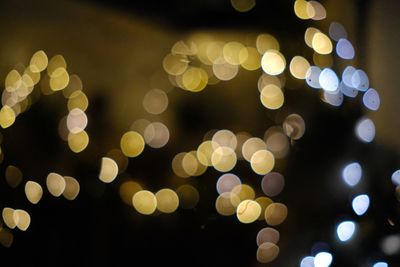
(144, 202)
(167, 200)
(13, 176)
(108, 170)
(55, 184)
(273, 62)
(33, 192)
(155, 101)
(132, 144)
(243, 5)
(188, 196)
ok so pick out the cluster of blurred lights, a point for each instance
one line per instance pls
(192, 65)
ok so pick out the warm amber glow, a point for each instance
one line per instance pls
(262, 162)
(273, 62)
(55, 184)
(132, 144)
(33, 192)
(108, 170)
(321, 43)
(248, 211)
(167, 200)
(272, 97)
(144, 202)
(72, 188)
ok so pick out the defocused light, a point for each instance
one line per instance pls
(244, 192)
(251, 146)
(262, 162)
(276, 213)
(345, 49)
(204, 152)
(8, 217)
(72, 188)
(194, 79)
(55, 184)
(127, 189)
(144, 202)
(315, 10)
(132, 144)
(294, 126)
(188, 196)
(337, 31)
(224, 138)
(300, 9)
(347, 90)
(360, 204)
(391, 244)
(155, 101)
(272, 184)
(272, 97)
(231, 52)
(266, 42)
(352, 173)
(267, 234)
(156, 135)
(13, 81)
(13, 176)
(140, 126)
(78, 142)
(78, 99)
(7, 116)
(345, 230)
(365, 130)
(307, 262)
(227, 182)
(267, 252)
(108, 170)
(38, 61)
(243, 5)
(264, 203)
(309, 35)
(371, 99)
(175, 64)
(321, 43)
(277, 142)
(323, 259)
(76, 120)
(75, 84)
(223, 159)
(359, 80)
(273, 62)
(333, 98)
(266, 79)
(223, 70)
(396, 177)
(167, 200)
(312, 77)
(119, 158)
(23, 219)
(6, 237)
(380, 264)
(59, 79)
(328, 80)
(250, 58)
(55, 65)
(248, 211)
(299, 67)
(33, 192)
(226, 203)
